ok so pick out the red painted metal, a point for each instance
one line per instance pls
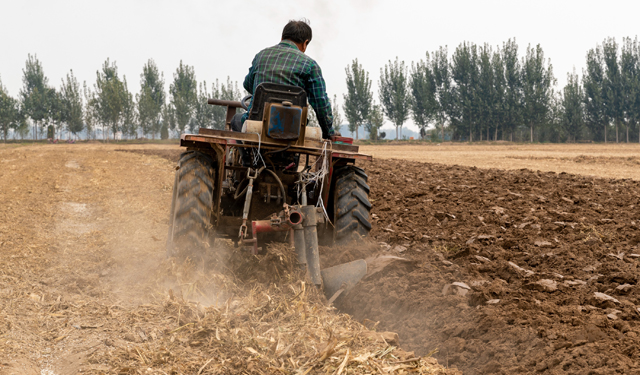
(339, 139)
(265, 226)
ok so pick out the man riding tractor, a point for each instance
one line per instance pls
(273, 178)
(286, 63)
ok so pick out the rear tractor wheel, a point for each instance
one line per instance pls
(351, 205)
(190, 230)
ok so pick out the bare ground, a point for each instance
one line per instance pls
(85, 285)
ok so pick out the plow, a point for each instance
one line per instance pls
(275, 180)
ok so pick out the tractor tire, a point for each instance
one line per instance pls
(190, 230)
(351, 205)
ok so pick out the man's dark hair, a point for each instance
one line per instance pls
(297, 31)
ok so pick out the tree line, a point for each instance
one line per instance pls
(108, 104)
(485, 93)
(477, 93)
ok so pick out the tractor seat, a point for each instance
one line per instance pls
(275, 93)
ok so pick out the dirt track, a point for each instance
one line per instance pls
(85, 286)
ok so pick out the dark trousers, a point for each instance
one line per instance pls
(236, 122)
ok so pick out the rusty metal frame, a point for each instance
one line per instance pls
(221, 141)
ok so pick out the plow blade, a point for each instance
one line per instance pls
(342, 277)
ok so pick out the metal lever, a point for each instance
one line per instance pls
(247, 204)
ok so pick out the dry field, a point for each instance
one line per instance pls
(610, 160)
(85, 286)
(503, 270)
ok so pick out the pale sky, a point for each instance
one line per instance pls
(220, 38)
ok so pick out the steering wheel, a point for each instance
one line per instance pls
(244, 103)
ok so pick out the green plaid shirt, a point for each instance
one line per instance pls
(284, 63)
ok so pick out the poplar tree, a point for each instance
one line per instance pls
(393, 93)
(9, 112)
(337, 116)
(499, 99)
(72, 106)
(203, 113)
(34, 93)
(630, 81)
(486, 91)
(375, 122)
(359, 97)
(572, 107)
(151, 99)
(594, 94)
(129, 124)
(513, 87)
(423, 100)
(613, 93)
(537, 79)
(224, 91)
(110, 96)
(55, 106)
(168, 120)
(464, 71)
(441, 71)
(184, 95)
(90, 112)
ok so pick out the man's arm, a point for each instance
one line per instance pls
(248, 80)
(317, 92)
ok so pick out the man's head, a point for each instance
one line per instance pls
(298, 32)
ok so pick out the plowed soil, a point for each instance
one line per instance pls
(547, 265)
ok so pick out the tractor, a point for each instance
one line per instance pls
(276, 180)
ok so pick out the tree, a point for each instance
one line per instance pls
(393, 93)
(72, 104)
(168, 120)
(9, 112)
(151, 99)
(442, 78)
(110, 96)
(465, 73)
(184, 94)
(513, 87)
(56, 108)
(572, 107)
(224, 91)
(375, 122)
(90, 112)
(129, 124)
(499, 99)
(203, 114)
(630, 81)
(359, 98)
(536, 83)
(337, 117)
(486, 91)
(613, 93)
(34, 93)
(22, 128)
(594, 94)
(423, 100)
